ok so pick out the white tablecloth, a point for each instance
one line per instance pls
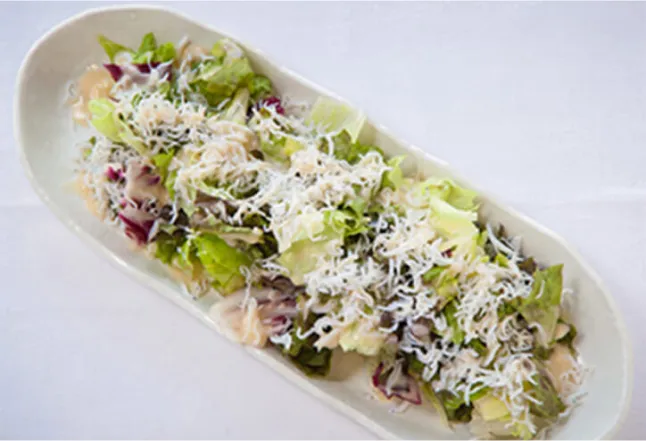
(543, 105)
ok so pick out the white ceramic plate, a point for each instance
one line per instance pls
(46, 137)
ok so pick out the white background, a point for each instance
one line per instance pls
(543, 105)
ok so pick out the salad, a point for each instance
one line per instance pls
(319, 244)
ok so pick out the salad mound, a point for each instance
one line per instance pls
(318, 243)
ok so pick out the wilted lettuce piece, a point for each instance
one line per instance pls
(112, 49)
(307, 358)
(236, 110)
(568, 337)
(455, 407)
(429, 394)
(544, 391)
(528, 265)
(541, 307)
(259, 87)
(103, 118)
(221, 261)
(168, 245)
(394, 178)
(334, 116)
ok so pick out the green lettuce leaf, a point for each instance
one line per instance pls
(347, 150)
(302, 257)
(165, 53)
(169, 245)
(112, 49)
(103, 119)
(109, 125)
(148, 43)
(221, 262)
(454, 224)
(429, 394)
(455, 407)
(169, 183)
(394, 178)
(162, 162)
(457, 334)
(259, 87)
(346, 222)
(551, 405)
(218, 82)
(542, 306)
(334, 116)
(304, 355)
(236, 111)
(449, 191)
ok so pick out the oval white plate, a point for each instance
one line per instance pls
(46, 137)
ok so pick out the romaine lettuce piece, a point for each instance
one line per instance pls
(219, 79)
(449, 191)
(303, 256)
(542, 306)
(334, 116)
(454, 224)
(221, 262)
(103, 119)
